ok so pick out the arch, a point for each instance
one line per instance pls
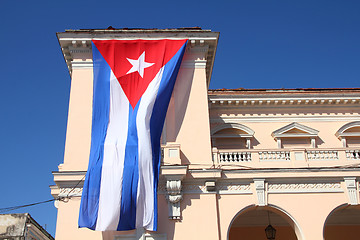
(349, 132)
(342, 131)
(342, 222)
(275, 209)
(249, 132)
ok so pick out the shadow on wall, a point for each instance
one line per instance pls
(343, 223)
(251, 222)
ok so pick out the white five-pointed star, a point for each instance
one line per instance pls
(138, 65)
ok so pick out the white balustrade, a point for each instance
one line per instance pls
(235, 156)
(252, 156)
(274, 156)
(353, 154)
(322, 155)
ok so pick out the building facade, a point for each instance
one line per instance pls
(234, 161)
(21, 226)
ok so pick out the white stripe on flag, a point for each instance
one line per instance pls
(145, 193)
(113, 162)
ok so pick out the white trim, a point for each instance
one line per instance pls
(278, 101)
(320, 118)
(81, 64)
(198, 64)
(325, 187)
(281, 132)
(249, 131)
(341, 133)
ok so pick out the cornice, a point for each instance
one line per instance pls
(281, 118)
(310, 100)
(76, 44)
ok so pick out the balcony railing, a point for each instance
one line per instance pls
(322, 155)
(353, 154)
(235, 156)
(287, 158)
(274, 156)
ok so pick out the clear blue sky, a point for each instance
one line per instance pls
(263, 44)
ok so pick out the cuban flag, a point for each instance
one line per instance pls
(133, 83)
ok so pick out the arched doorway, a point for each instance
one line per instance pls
(250, 224)
(343, 223)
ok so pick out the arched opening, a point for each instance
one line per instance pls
(231, 136)
(251, 222)
(343, 223)
(349, 134)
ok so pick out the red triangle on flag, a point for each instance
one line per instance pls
(121, 55)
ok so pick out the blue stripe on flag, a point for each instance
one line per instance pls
(101, 102)
(130, 175)
(158, 116)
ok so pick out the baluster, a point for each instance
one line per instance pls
(282, 156)
(312, 155)
(288, 156)
(236, 157)
(348, 155)
(230, 157)
(240, 156)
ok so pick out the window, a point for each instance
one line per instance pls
(295, 135)
(232, 136)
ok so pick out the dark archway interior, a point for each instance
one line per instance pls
(251, 225)
(343, 223)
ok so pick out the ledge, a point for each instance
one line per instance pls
(206, 173)
(172, 172)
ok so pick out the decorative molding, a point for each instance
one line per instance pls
(249, 131)
(276, 118)
(342, 133)
(260, 192)
(200, 42)
(282, 132)
(220, 187)
(325, 187)
(197, 64)
(192, 49)
(81, 64)
(280, 101)
(233, 188)
(70, 192)
(194, 188)
(174, 196)
(352, 191)
(80, 50)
